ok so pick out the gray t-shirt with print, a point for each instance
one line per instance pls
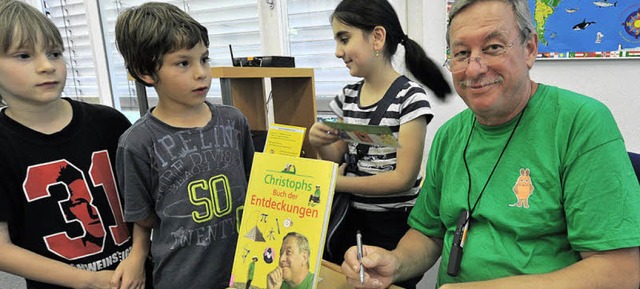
(194, 181)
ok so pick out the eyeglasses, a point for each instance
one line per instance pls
(491, 55)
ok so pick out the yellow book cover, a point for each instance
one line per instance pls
(284, 140)
(284, 223)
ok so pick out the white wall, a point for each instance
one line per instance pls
(615, 82)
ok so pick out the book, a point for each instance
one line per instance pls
(284, 140)
(287, 197)
(366, 134)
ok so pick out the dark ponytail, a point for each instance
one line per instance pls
(367, 14)
(424, 69)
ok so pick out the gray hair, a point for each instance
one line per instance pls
(520, 10)
(302, 242)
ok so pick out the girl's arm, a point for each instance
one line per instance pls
(411, 138)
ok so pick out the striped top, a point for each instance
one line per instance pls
(410, 103)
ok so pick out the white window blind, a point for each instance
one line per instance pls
(69, 16)
(227, 21)
(312, 45)
(234, 22)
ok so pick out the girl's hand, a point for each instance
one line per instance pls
(322, 135)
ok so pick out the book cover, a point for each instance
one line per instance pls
(366, 134)
(284, 140)
(284, 223)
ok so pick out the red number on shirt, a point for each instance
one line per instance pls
(78, 205)
(102, 175)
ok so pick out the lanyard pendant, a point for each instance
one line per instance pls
(459, 237)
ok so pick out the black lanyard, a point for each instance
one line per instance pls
(466, 166)
(455, 255)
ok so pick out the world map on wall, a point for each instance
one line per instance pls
(574, 29)
(587, 28)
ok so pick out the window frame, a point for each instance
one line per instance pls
(272, 42)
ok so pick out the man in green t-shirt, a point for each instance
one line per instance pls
(530, 187)
(293, 267)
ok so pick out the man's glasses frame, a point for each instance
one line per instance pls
(491, 55)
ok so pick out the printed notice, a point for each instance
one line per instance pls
(284, 140)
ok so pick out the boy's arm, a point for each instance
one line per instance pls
(27, 264)
(131, 273)
(248, 150)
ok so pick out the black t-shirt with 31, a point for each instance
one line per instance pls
(58, 192)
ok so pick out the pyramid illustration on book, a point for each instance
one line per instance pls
(255, 235)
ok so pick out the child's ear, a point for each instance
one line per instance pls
(148, 79)
(379, 35)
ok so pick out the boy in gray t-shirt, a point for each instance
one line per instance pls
(183, 166)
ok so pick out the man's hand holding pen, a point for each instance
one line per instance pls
(379, 266)
(360, 254)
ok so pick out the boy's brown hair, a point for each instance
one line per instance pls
(23, 24)
(144, 34)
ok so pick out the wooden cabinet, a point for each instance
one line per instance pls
(292, 96)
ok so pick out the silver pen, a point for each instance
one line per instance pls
(359, 245)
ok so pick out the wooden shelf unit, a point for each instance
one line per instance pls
(292, 96)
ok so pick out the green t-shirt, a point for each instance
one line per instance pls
(307, 283)
(252, 269)
(584, 194)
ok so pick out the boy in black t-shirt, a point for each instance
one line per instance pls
(60, 212)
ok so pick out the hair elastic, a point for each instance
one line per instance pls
(404, 39)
